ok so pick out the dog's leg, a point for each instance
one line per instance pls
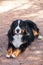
(35, 33)
(10, 49)
(16, 53)
(40, 37)
(9, 52)
(23, 47)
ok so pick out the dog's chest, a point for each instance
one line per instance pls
(17, 40)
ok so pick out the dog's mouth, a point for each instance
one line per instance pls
(18, 34)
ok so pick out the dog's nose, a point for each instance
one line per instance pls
(17, 30)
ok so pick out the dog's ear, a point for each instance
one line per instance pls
(10, 32)
(10, 37)
(12, 25)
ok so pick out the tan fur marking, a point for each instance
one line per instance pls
(22, 30)
(35, 33)
(16, 52)
(9, 52)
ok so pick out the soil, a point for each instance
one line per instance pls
(30, 10)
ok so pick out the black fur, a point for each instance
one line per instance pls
(28, 26)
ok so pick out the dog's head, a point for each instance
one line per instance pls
(20, 27)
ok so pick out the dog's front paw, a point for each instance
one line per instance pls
(9, 53)
(16, 53)
(8, 56)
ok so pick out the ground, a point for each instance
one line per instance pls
(31, 10)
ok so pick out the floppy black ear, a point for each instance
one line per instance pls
(10, 37)
(10, 32)
(12, 26)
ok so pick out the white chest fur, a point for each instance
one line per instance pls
(17, 40)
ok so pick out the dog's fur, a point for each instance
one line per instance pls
(20, 36)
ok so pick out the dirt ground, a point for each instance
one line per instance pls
(31, 10)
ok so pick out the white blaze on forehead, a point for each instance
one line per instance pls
(18, 25)
(18, 22)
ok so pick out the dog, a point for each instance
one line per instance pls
(20, 35)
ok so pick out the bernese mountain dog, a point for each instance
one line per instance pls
(20, 35)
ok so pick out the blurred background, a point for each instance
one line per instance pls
(11, 10)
